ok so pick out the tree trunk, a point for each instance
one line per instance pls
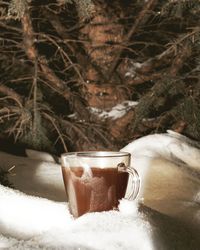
(103, 36)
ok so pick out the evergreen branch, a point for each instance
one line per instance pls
(180, 59)
(32, 54)
(161, 90)
(139, 79)
(56, 83)
(180, 49)
(138, 21)
(58, 26)
(65, 55)
(53, 122)
(9, 27)
(12, 94)
(78, 131)
(28, 36)
(35, 79)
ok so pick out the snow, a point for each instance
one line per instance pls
(116, 112)
(171, 146)
(128, 207)
(34, 176)
(32, 222)
(38, 216)
(132, 69)
(38, 155)
(169, 168)
(25, 216)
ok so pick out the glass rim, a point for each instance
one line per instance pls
(96, 154)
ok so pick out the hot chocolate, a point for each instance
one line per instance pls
(98, 189)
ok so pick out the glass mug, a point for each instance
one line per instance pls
(95, 181)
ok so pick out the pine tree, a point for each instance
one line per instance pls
(62, 59)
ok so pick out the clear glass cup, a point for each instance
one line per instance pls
(95, 181)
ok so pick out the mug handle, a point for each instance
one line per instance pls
(135, 180)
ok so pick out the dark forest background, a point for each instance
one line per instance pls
(61, 60)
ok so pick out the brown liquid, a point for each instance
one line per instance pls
(101, 192)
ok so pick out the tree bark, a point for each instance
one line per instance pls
(103, 36)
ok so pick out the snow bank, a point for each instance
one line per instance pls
(38, 175)
(168, 165)
(169, 168)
